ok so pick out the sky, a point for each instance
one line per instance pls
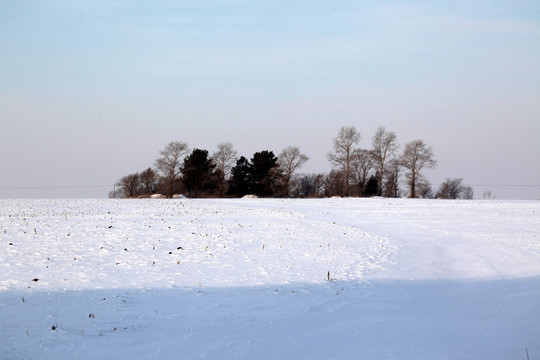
(92, 91)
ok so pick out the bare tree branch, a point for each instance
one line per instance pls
(290, 159)
(341, 157)
(224, 157)
(384, 145)
(169, 163)
(416, 156)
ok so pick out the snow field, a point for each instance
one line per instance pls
(148, 243)
(245, 279)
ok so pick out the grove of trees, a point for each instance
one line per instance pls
(377, 171)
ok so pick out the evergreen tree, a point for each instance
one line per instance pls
(239, 183)
(198, 173)
(265, 173)
(372, 187)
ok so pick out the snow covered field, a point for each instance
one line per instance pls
(269, 279)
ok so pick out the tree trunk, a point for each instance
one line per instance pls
(413, 185)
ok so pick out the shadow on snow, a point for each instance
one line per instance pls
(420, 319)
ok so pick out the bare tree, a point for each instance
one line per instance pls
(148, 180)
(392, 174)
(416, 156)
(468, 193)
(362, 163)
(341, 157)
(129, 185)
(224, 157)
(384, 145)
(450, 189)
(309, 185)
(333, 183)
(289, 160)
(169, 164)
(424, 189)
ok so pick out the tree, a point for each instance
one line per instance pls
(343, 147)
(289, 160)
(333, 184)
(467, 193)
(148, 180)
(317, 189)
(424, 189)
(129, 184)
(239, 182)
(450, 189)
(198, 173)
(224, 158)
(264, 173)
(362, 163)
(308, 186)
(384, 144)
(392, 173)
(416, 156)
(169, 164)
(372, 186)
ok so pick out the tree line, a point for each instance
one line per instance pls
(378, 171)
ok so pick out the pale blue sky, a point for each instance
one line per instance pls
(91, 91)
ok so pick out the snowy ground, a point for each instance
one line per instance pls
(269, 279)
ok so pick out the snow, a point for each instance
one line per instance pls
(269, 279)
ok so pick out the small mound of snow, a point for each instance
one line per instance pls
(157, 196)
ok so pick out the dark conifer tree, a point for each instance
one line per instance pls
(265, 173)
(239, 183)
(198, 176)
(372, 187)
